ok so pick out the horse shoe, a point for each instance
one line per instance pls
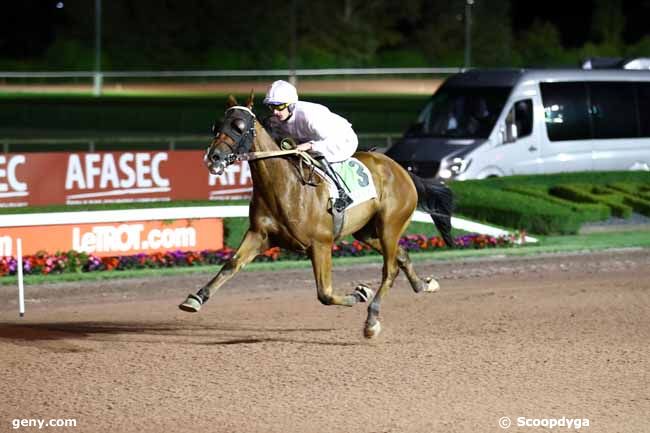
(432, 285)
(363, 293)
(372, 331)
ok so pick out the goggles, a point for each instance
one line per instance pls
(277, 107)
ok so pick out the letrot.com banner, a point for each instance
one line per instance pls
(38, 179)
(112, 239)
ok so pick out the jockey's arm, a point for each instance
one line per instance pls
(305, 146)
(336, 139)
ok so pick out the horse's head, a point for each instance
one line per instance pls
(234, 138)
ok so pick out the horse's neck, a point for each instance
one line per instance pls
(275, 174)
(263, 141)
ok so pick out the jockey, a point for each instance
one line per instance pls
(315, 128)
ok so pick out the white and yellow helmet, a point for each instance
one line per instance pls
(281, 92)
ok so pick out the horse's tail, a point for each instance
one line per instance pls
(437, 200)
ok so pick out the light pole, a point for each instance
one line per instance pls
(468, 33)
(293, 43)
(97, 78)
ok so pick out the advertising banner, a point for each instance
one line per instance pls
(116, 239)
(40, 179)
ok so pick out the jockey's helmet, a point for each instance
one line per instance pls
(281, 92)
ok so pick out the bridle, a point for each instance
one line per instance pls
(241, 130)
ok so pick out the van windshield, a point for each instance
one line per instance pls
(462, 112)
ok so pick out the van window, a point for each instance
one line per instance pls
(613, 109)
(524, 117)
(644, 108)
(565, 111)
(463, 112)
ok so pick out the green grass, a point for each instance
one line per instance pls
(546, 245)
(54, 116)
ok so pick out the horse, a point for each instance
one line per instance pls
(288, 212)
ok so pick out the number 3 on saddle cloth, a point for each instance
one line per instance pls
(356, 179)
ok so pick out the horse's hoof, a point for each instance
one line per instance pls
(192, 304)
(363, 293)
(371, 331)
(432, 285)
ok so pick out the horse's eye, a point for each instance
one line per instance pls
(238, 125)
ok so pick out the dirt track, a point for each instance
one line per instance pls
(551, 337)
(424, 86)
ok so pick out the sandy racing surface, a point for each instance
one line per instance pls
(551, 337)
(421, 86)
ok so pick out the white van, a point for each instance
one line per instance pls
(483, 123)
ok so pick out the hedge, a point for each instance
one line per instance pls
(584, 193)
(517, 211)
(555, 203)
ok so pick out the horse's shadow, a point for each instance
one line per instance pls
(197, 334)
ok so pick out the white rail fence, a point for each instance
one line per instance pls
(55, 218)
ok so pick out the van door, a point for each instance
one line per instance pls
(519, 152)
(566, 140)
(614, 113)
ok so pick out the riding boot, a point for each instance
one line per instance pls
(343, 200)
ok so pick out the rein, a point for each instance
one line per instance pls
(304, 156)
(251, 156)
(249, 133)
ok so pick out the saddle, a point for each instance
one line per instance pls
(341, 181)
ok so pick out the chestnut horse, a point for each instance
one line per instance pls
(288, 212)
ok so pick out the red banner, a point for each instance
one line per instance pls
(39, 179)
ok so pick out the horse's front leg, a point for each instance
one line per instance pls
(252, 245)
(321, 260)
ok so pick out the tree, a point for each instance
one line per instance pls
(492, 42)
(540, 45)
(608, 23)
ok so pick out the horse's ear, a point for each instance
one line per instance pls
(231, 101)
(249, 103)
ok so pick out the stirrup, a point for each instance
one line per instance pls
(342, 202)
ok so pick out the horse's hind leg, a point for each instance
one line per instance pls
(404, 262)
(252, 245)
(418, 284)
(388, 246)
(321, 259)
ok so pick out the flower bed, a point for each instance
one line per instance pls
(72, 261)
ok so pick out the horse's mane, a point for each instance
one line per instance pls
(304, 172)
(267, 125)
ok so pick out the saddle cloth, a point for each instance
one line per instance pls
(356, 178)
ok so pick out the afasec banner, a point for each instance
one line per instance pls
(38, 179)
(114, 239)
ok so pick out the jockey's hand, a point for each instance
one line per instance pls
(305, 146)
